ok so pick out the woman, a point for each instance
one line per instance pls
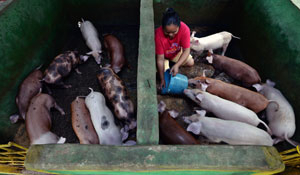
(172, 42)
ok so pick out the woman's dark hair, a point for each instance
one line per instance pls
(170, 17)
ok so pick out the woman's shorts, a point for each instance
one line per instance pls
(175, 60)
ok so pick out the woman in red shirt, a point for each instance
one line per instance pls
(172, 42)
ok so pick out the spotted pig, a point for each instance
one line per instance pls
(38, 120)
(116, 92)
(61, 67)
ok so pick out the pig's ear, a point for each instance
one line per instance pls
(209, 59)
(193, 34)
(61, 140)
(129, 143)
(90, 53)
(173, 113)
(84, 58)
(124, 133)
(258, 87)
(161, 106)
(186, 119)
(201, 112)
(194, 128)
(270, 83)
(204, 86)
(199, 97)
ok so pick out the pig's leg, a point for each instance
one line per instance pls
(77, 71)
(59, 109)
(224, 48)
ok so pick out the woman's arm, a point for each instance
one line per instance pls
(161, 66)
(184, 56)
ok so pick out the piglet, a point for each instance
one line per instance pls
(103, 119)
(281, 117)
(30, 87)
(82, 123)
(38, 120)
(247, 98)
(90, 35)
(211, 42)
(170, 131)
(61, 67)
(235, 69)
(231, 132)
(224, 109)
(115, 52)
(116, 92)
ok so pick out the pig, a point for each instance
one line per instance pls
(116, 92)
(103, 119)
(61, 67)
(172, 133)
(223, 108)
(235, 69)
(247, 98)
(82, 123)
(30, 87)
(231, 132)
(211, 42)
(38, 120)
(115, 52)
(90, 35)
(281, 117)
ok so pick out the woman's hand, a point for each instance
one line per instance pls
(174, 70)
(162, 84)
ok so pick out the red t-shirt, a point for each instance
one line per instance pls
(168, 47)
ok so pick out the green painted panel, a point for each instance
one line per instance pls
(26, 40)
(147, 114)
(153, 159)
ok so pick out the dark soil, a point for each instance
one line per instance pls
(128, 35)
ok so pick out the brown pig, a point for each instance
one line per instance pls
(38, 120)
(61, 67)
(30, 86)
(82, 123)
(115, 52)
(247, 98)
(172, 133)
(235, 69)
(116, 92)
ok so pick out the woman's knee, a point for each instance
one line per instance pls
(190, 62)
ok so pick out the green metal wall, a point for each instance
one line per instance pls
(27, 33)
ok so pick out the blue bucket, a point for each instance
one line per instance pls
(174, 84)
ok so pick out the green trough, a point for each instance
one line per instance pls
(32, 32)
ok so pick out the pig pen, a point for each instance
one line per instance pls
(30, 37)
